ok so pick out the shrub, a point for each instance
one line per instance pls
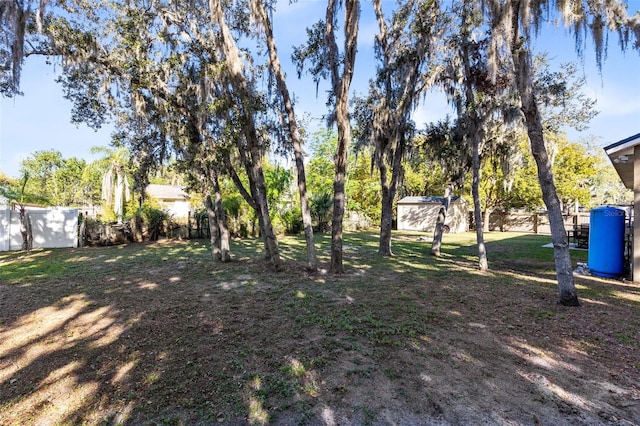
(292, 220)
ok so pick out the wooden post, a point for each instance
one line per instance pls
(635, 250)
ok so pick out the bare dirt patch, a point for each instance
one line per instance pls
(157, 334)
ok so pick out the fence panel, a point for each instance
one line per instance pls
(51, 228)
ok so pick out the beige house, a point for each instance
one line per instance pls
(172, 198)
(420, 214)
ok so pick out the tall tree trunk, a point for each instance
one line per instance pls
(225, 236)
(390, 190)
(438, 231)
(391, 119)
(475, 134)
(339, 196)
(340, 84)
(294, 134)
(214, 230)
(568, 295)
(386, 216)
(486, 221)
(26, 230)
(483, 263)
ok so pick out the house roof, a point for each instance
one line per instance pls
(167, 192)
(622, 157)
(426, 199)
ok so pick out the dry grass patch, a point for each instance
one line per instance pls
(157, 334)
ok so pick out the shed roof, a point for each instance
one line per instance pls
(621, 154)
(426, 199)
(167, 192)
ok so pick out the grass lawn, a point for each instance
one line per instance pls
(158, 334)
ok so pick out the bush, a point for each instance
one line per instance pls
(155, 220)
(321, 209)
(292, 220)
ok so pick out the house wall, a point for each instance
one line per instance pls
(51, 228)
(178, 209)
(422, 217)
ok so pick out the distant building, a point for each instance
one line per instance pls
(172, 198)
(420, 214)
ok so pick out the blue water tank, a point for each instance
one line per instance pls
(606, 242)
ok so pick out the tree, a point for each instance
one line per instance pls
(403, 47)
(320, 169)
(115, 181)
(252, 150)
(322, 51)
(292, 126)
(445, 143)
(512, 24)
(15, 192)
(562, 105)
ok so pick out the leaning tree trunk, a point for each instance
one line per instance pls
(568, 295)
(566, 286)
(294, 134)
(260, 195)
(254, 165)
(438, 231)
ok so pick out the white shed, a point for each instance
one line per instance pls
(420, 214)
(52, 227)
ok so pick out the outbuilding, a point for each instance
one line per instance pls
(420, 214)
(625, 157)
(171, 198)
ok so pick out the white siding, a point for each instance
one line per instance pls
(422, 216)
(51, 228)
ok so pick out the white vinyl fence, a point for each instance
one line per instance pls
(51, 228)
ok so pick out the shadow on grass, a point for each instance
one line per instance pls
(158, 334)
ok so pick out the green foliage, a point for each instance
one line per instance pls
(560, 96)
(574, 171)
(321, 207)
(278, 182)
(363, 188)
(58, 181)
(607, 187)
(155, 219)
(320, 172)
(292, 220)
(423, 178)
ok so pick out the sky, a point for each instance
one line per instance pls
(40, 120)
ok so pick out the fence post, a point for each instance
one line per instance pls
(535, 223)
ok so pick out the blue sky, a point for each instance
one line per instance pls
(40, 120)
